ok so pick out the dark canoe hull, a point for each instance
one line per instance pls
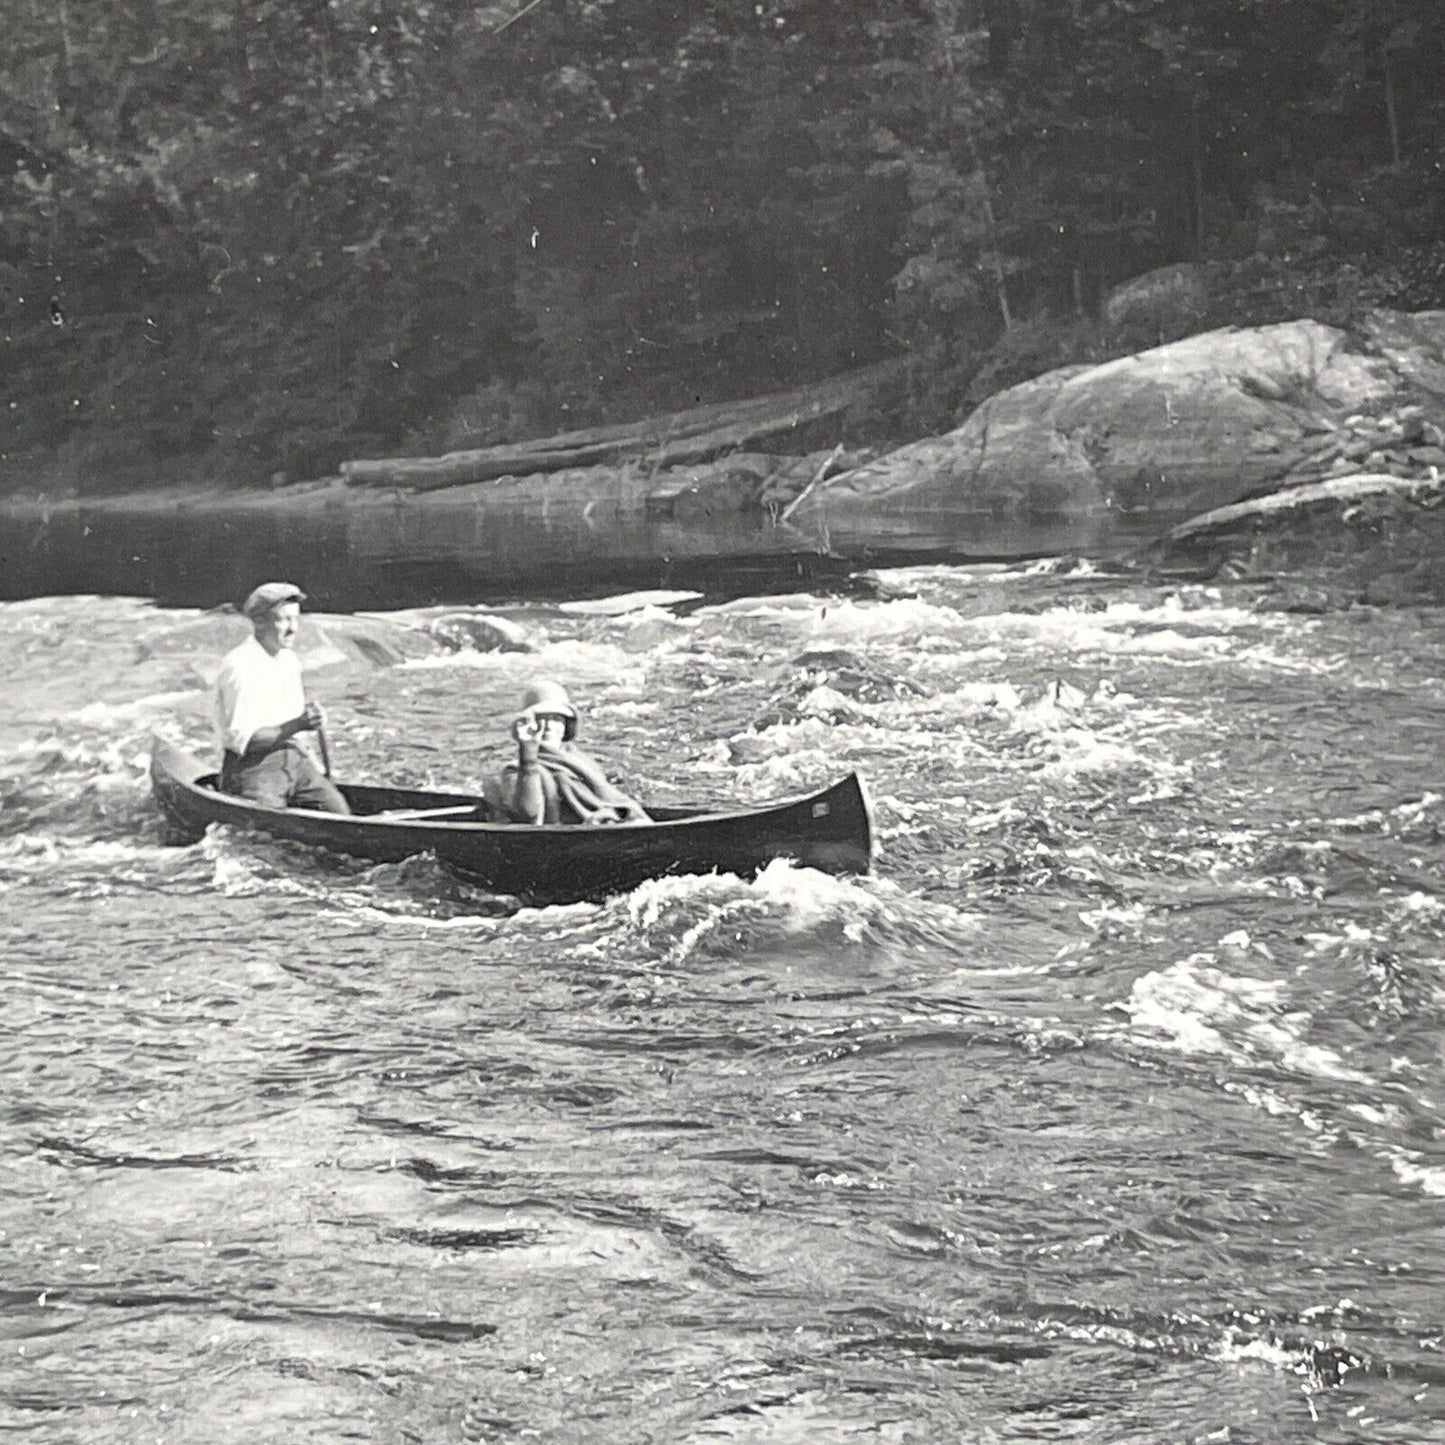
(830, 831)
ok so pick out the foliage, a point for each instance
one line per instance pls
(249, 239)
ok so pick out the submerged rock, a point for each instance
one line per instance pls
(480, 632)
(849, 675)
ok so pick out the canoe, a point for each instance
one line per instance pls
(831, 831)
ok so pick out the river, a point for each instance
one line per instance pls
(1107, 1110)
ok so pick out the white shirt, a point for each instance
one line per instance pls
(255, 690)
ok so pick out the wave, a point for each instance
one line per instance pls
(417, 890)
(1313, 1346)
(680, 920)
(1411, 1170)
(829, 620)
(1417, 819)
(1196, 1007)
(81, 790)
(108, 716)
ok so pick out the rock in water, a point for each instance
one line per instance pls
(1375, 538)
(479, 632)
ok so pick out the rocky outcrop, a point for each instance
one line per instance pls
(1163, 297)
(1373, 538)
(1099, 458)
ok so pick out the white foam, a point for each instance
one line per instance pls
(844, 623)
(804, 895)
(626, 602)
(1115, 918)
(679, 913)
(1383, 821)
(238, 872)
(988, 820)
(1424, 904)
(580, 663)
(810, 896)
(827, 702)
(1167, 632)
(904, 578)
(787, 771)
(105, 714)
(1272, 1352)
(1002, 696)
(1077, 751)
(1194, 1007)
(1430, 1178)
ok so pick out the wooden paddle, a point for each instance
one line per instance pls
(325, 749)
(404, 815)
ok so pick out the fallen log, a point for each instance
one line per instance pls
(697, 435)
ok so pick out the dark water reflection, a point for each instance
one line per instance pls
(1108, 1111)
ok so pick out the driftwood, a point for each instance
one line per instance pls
(701, 434)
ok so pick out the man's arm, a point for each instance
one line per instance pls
(526, 798)
(236, 711)
(263, 740)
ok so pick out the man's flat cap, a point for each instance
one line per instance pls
(268, 594)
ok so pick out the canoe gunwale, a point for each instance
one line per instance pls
(205, 783)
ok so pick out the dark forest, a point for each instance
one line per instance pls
(243, 240)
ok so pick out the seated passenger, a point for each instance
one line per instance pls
(554, 781)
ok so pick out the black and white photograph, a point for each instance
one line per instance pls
(723, 722)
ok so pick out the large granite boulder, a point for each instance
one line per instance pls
(1093, 459)
(1164, 297)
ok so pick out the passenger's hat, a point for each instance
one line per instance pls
(268, 594)
(551, 698)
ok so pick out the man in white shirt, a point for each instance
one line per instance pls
(261, 708)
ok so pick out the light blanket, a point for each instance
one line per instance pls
(574, 786)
